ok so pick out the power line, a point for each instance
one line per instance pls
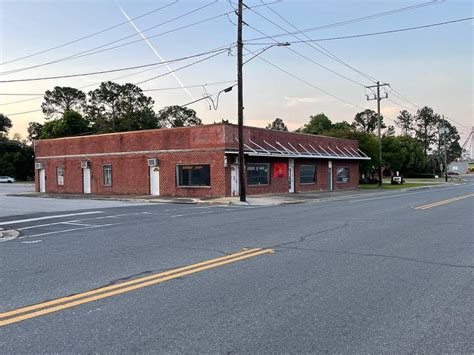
(143, 81)
(363, 34)
(91, 51)
(307, 82)
(98, 49)
(89, 36)
(218, 51)
(40, 96)
(322, 49)
(180, 68)
(300, 54)
(192, 86)
(157, 89)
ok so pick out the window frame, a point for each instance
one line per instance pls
(268, 174)
(105, 183)
(315, 177)
(178, 185)
(58, 182)
(348, 174)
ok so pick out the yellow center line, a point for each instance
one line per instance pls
(94, 295)
(443, 202)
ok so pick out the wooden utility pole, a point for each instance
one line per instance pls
(240, 102)
(379, 129)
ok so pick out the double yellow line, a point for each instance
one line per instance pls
(443, 202)
(21, 314)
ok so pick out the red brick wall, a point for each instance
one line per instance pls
(130, 174)
(198, 137)
(204, 145)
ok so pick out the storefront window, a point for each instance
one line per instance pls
(258, 174)
(194, 175)
(342, 175)
(107, 174)
(307, 174)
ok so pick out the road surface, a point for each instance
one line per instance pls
(383, 273)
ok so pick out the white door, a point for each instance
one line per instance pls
(291, 175)
(86, 180)
(154, 180)
(330, 187)
(234, 180)
(42, 180)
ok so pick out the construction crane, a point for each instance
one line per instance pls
(468, 146)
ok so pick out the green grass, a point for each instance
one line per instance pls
(394, 187)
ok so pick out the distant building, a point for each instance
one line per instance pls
(196, 161)
(460, 167)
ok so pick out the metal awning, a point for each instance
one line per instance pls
(287, 150)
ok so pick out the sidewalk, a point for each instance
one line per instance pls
(252, 200)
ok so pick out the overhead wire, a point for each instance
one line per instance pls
(361, 34)
(91, 51)
(89, 35)
(299, 53)
(221, 50)
(321, 48)
(305, 81)
(95, 50)
(143, 81)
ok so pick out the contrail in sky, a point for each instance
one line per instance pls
(156, 52)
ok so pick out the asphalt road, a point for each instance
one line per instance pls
(367, 274)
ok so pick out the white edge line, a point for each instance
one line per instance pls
(67, 230)
(48, 217)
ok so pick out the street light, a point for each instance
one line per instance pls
(279, 44)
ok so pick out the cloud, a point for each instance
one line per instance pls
(293, 101)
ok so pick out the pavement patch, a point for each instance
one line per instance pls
(8, 234)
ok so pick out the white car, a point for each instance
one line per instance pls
(7, 179)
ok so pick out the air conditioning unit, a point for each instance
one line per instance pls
(39, 166)
(85, 164)
(153, 162)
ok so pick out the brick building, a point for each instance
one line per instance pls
(195, 161)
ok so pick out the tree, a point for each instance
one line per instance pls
(117, 108)
(34, 131)
(277, 125)
(5, 124)
(367, 121)
(317, 124)
(403, 154)
(405, 122)
(426, 127)
(341, 125)
(451, 138)
(177, 116)
(71, 124)
(390, 132)
(62, 99)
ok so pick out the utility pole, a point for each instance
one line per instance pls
(240, 102)
(443, 131)
(378, 98)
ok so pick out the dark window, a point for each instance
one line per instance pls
(342, 175)
(307, 174)
(258, 174)
(60, 175)
(194, 175)
(107, 174)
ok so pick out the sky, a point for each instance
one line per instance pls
(432, 66)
